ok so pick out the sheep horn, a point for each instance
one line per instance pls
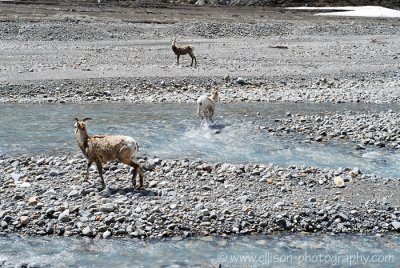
(76, 118)
(88, 118)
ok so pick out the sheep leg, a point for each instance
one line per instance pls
(206, 115)
(198, 110)
(136, 169)
(177, 59)
(210, 114)
(89, 164)
(100, 170)
(193, 59)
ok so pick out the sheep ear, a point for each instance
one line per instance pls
(86, 119)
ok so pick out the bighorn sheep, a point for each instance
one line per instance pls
(103, 148)
(206, 105)
(183, 50)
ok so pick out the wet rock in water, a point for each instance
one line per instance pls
(107, 234)
(360, 147)
(87, 231)
(49, 228)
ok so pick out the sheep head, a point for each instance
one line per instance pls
(81, 125)
(214, 94)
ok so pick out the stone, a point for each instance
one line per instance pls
(339, 182)
(279, 204)
(205, 212)
(24, 220)
(360, 147)
(319, 138)
(17, 176)
(342, 216)
(154, 161)
(354, 213)
(199, 206)
(107, 234)
(64, 216)
(49, 228)
(312, 200)
(32, 201)
(108, 207)
(73, 193)
(396, 225)
(240, 81)
(153, 184)
(53, 173)
(205, 167)
(87, 231)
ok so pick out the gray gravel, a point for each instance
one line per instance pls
(46, 195)
(100, 54)
(376, 129)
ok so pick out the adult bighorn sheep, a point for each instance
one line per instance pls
(183, 50)
(103, 148)
(206, 105)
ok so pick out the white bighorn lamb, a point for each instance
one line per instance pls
(183, 50)
(206, 105)
(103, 148)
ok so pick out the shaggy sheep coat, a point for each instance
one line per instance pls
(103, 148)
(206, 105)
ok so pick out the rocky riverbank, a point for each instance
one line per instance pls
(109, 54)
(46, 195)
(371, 129)
(187, 89)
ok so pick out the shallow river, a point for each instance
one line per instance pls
(254, 251)
(174, 131)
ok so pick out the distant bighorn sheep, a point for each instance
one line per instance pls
(206, 105)
(183, 50)
(103, 148)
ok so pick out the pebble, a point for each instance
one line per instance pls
(109, 207)
(396, 226)
(339, 182)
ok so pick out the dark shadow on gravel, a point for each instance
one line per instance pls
(134, 191)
